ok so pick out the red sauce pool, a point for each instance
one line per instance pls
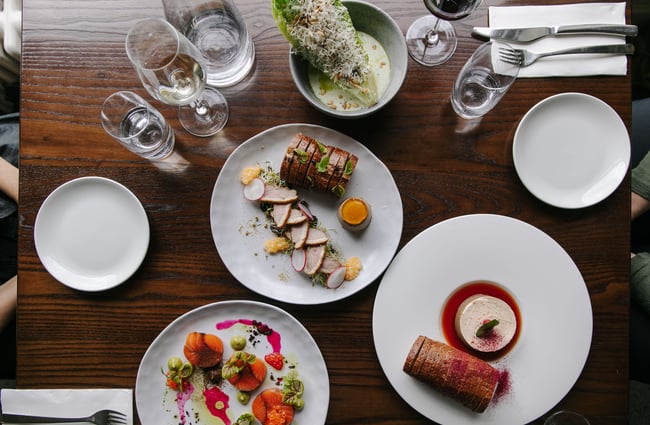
(456, 299)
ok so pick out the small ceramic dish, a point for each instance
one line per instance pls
(369, 19)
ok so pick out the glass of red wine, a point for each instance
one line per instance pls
(432, 40)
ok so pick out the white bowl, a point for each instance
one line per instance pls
(375, 22)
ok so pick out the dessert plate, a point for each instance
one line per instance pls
(571, 150)
(91, 233)
(556, 316)
(157, 404)
(239, 227)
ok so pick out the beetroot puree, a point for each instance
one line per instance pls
(456, 299)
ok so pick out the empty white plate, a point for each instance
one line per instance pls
(571, 150)
(91, 233)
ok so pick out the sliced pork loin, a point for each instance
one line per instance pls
(329, 265)
(279, 195)
(298, 234)
(296, 216)
(311, 164)
(315, 257)
(280, 214)
(316, 237)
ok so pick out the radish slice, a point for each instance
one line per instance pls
(298, 259)
(254, 190)
(336, 278)
(305, 210)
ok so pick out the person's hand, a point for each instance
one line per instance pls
(9, 179)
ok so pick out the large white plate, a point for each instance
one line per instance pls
(551, 294)
(571, 150)
(239, 236)
(91, 233)
(156, 405)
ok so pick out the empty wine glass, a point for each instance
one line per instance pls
(172, 70)
(432, 40)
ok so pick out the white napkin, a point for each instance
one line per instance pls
(67, 403)
(568, 14)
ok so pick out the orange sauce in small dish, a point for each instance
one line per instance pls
(354, 214)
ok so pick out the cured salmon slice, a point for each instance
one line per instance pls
(251, 373)
(203, 350)
(268, 408)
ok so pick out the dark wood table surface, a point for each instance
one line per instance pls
(73, 57)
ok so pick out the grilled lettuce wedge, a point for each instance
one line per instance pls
(321, 31)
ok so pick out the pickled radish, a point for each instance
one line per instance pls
(298, 259)
(336, 278)
(254, 190)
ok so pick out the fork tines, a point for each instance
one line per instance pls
(512, 56)
(117, 418)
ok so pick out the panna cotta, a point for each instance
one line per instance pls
(485, 323)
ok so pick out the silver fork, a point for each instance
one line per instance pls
(523, 57)
(103, 417)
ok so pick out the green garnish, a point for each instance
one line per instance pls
(338, 190)
(321, 147)
(321, 166)
(349, 167)
(236, 364)
(292, 390)
(302, 155)
(485, 328)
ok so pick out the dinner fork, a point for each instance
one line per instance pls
(103, 417)
(523, 57)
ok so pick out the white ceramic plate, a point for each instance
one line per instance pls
(571, 150)
(91, 233)
(239, 235)
(157, 405)
(551, 294)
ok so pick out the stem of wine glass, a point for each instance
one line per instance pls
(200, 106)
(431, 38)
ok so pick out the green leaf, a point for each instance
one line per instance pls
(485, 328)
(321, 166)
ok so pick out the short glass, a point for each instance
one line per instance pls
(217, 29)
(566, 417)
(482, 82)
(137, 125)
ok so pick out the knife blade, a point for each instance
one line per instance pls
(534, 33)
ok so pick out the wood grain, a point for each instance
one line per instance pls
(73, 57)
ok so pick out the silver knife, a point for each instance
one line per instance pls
(530, 34)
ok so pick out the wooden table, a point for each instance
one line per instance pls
(73, 57)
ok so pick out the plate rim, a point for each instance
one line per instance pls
(128, 195)
(231, 303)
(361, 148)
(476, 418)
(545, 197)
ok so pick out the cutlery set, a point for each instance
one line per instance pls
(525, 57)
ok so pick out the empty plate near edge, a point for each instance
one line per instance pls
(91, 233)
(571, 150)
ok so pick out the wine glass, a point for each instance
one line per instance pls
(172, 70)
(432, 40)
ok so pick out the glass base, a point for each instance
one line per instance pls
(207, 115)
(428, 47)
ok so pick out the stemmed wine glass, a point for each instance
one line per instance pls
(172, 70)
(432, 40)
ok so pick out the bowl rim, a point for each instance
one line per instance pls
(298, 67)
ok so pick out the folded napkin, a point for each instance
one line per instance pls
(568, 14)
(67, 403)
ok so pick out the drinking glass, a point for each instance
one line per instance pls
(566, 417)
(482, 81)
(172, 70)
(137, 125)
(217, 29)
(432, 40)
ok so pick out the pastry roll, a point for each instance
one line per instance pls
(452, 372)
